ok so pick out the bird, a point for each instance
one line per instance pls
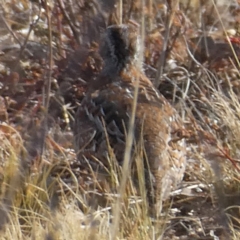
(102, 118)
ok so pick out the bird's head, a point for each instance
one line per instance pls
(120, 47)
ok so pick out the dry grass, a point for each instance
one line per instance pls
(43, 193)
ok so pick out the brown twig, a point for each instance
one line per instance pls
(224, 152)
(47, 88)
(75, 32)
(162, 58)
(10, 30)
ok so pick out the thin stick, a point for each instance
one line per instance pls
(128, 148)
(47, 89)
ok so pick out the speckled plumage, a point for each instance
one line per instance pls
(107, 108)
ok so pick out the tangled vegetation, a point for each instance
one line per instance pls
(48, 57)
